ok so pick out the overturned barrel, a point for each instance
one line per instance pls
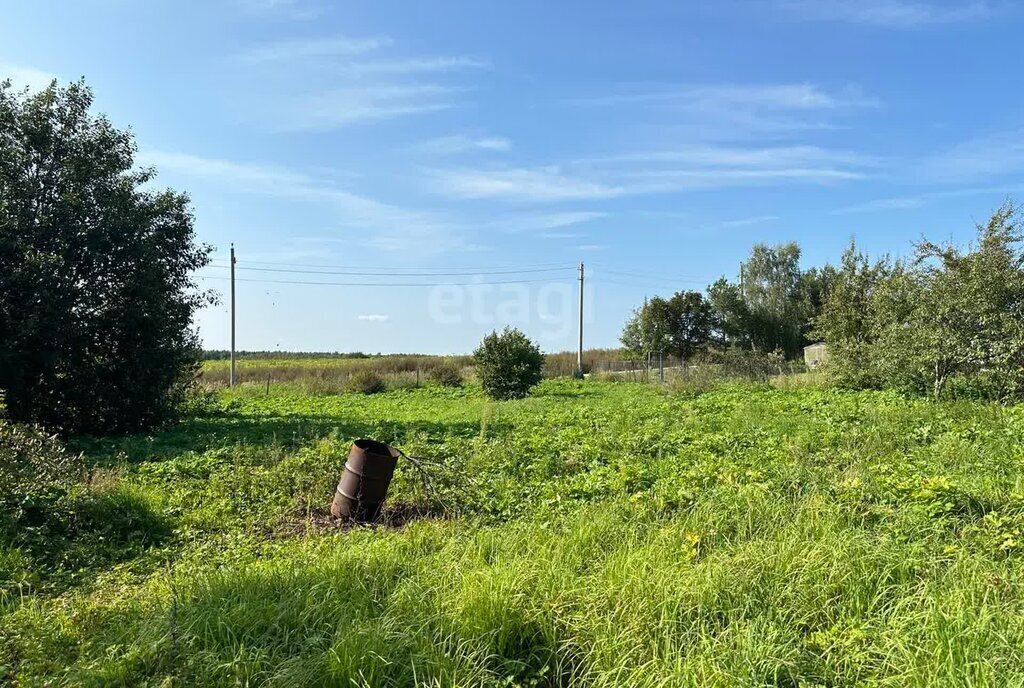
(365, 480)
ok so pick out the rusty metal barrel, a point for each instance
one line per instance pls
(365, 480)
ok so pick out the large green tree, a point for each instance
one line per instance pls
(680, 325)
(772, 306)
(96, 302)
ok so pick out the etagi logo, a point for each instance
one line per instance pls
(548, 309)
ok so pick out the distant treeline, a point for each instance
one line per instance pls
(221, 354)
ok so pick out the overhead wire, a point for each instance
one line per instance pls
(384, 273)
(372, 284)
(475, 269)
(649, 277)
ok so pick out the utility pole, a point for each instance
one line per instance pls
(579, 351)
(231, 377)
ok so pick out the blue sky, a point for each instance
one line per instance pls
(421, 143)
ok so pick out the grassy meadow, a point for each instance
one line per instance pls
(598, 533)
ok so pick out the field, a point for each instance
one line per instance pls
(317, 374)
(595, 534)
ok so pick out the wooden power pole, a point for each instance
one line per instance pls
(579, 350)
(231, 375)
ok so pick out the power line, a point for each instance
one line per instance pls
(640, 285)
(383, 273)
(373, 284)
(481, 269)
(654, 278)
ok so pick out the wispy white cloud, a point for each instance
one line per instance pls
(883, 204)
(630, 174)
(724, 97)
(384, 226)
(919, 200)
(560, 235)
(307, 48)
(534, 222)
(412, 66)
(748, 156)
(461, 143)
(324, 83)
(891, 14)
(246, 175)
(374, 317)
(732, 111)
(358, 103)
(294, 10)
(655, 181)
(748, 221)
(21, 77)
(280, 9)
(537, 184)
(984, 157)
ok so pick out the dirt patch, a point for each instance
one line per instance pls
(320, 520)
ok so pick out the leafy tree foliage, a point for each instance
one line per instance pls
(772, 306)
(96, 302)
(680, 325)
(948, 315)
(508, 364)
(845, 320)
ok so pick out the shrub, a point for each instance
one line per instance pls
(365, 382)
(447, 375)
(96, 295)
(35, 471)
(508, 364)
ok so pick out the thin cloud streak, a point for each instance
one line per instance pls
(312, 48)
(734, 156)
(280, 9)
(315, 85)
(357, 104)
(539, 184)
(732, 111)
(394, 228)
(748, 221)
(920, 200)
(717, 97)
(977, 159)
(461, 143)
(548, 221)
(552, 184)
(413, 66)
(889, 14)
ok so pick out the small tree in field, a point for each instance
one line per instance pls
(96, 298)
(680, 325)
(508, 364)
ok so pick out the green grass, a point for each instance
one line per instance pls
(611, 534)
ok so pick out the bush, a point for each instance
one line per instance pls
(365, 382)
(96, 294)
(446, 375)
(35, 471)
(508, 364)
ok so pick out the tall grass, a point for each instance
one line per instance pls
(603, 535)
(330, 375)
